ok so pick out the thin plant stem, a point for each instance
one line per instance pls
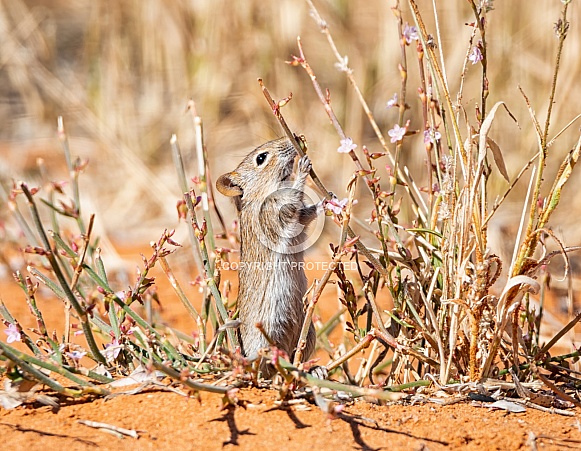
(403, 71)
(561, 28)
(185, 301)
(73, 172)
(183, 185)
(311, 306)
(82, 314)
(200, 237)
(77, 275)
(17, 214)
(202, 164)
(363, 344)
(480, 19)
(439, 75)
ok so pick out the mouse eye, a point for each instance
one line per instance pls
(261, 158)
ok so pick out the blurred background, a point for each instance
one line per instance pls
(121, 74)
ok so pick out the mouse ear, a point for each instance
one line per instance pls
(226, 184)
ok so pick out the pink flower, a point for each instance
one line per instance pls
(397, 133)
(410, 34)
(475, 55)
(337, 206)
(392, 102)
(347, 145)
(76, 355)
(112, 350)
(431, 135)
(13, 334)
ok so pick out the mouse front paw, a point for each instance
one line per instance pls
(320, 206)
(305, 165)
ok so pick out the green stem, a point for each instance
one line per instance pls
(183, 184)
(96, 354)
(208, 272)
(15, 356)
(73, 173)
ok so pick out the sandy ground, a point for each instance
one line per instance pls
(169, 421)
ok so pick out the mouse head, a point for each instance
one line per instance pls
(260, 173)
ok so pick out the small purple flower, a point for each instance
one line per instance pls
(76, 355)
(347, 145)
(112, 350)
(392, 102)
(13, 334)
(475, 55)
(397, 133)
(410, 34)
(337, 206)
(431, 135)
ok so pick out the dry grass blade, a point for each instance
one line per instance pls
(507, 303)
(521, 228)
(565, 171)
(497, 154)
(483, 140)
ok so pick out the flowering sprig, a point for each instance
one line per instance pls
(397, 133)
(13, 334)
(410, 34)
(475, 55)
(431, 136)
(392, 102)
(347, 145)
(337, 206)
(112, 350)
(76, 355)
